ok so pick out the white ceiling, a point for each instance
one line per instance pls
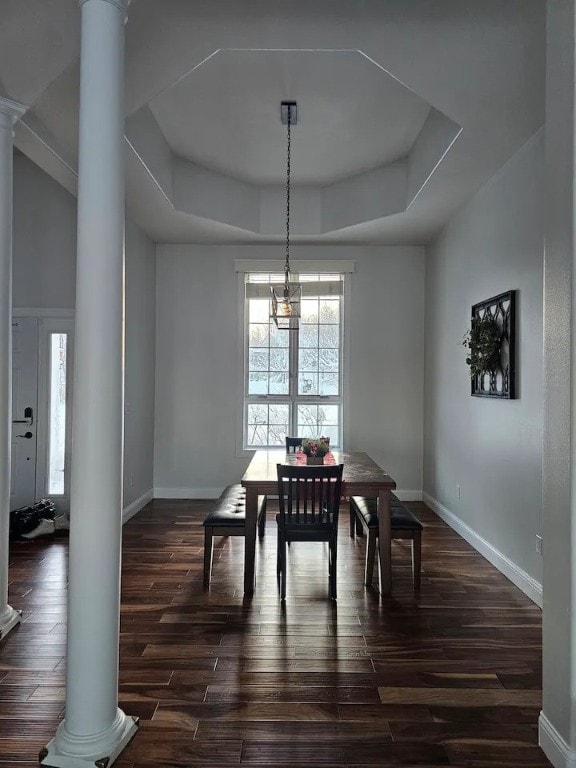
(204, 82)
(352, 116)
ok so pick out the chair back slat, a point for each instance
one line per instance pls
(309, 496)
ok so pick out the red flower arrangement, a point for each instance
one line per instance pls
(316, 446)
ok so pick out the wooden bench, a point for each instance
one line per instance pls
(228, 518)
(405, 525)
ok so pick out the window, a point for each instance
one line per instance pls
(293, 379)
(57, 413)
(55, 367)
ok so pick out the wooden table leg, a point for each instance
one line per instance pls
(384, 542)
(250, 539)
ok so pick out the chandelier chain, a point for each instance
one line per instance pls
(288, 160)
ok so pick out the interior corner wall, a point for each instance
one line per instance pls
(491, 449)
(139, 366)
(44, 256)
(198, 385)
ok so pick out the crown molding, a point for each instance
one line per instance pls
(13, 109)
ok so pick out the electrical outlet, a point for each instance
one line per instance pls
(538, 544)
(457, 491)
(131, 479)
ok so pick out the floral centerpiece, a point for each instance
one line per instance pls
(315, 449)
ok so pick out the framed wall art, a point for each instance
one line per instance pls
(491, 347)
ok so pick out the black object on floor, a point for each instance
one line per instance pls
(25, 520)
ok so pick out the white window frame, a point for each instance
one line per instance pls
(298, 267)
(47, 327)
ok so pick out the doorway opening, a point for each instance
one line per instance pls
(41, 410)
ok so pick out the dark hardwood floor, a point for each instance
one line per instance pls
(448, 677)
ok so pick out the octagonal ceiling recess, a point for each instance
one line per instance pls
(364, 147)
(480, 64)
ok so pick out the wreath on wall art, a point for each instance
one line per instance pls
(483, 341)
(491, 344)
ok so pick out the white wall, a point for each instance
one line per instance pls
(386, 414)
(492, 449)
(139, 366)
(44, 254)
(44, 242)
(197, 382)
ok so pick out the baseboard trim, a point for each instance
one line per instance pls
(517, 576)
(136, 505)
(560, 754)
(187, 493)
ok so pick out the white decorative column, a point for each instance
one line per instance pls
(95, 730)
(557, 724)
(10, 111)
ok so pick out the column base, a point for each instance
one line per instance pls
(69, 751)
(11, 619)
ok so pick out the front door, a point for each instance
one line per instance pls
(24, 411)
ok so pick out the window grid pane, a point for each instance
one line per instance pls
(319, 350)
(267, 424)
(268, 364)
(319, 420)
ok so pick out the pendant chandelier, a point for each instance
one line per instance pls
(286, 297)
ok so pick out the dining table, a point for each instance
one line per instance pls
(361, 477)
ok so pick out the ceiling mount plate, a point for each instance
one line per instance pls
(293, 107)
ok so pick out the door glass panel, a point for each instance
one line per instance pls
(57, 413)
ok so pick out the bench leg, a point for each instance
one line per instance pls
(370, 557)
(207, 555)
(332, 559)
(250, 530)
(281, 567)
(262, 521)
(356, 528)
(416, 558)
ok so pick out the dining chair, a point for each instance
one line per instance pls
(309, 501)
(293, 444)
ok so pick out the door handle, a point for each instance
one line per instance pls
(28, 418)
(27, 435)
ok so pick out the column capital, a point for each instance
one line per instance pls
(122, 5)
(10, 111)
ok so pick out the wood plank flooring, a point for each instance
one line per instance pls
(451, 676)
